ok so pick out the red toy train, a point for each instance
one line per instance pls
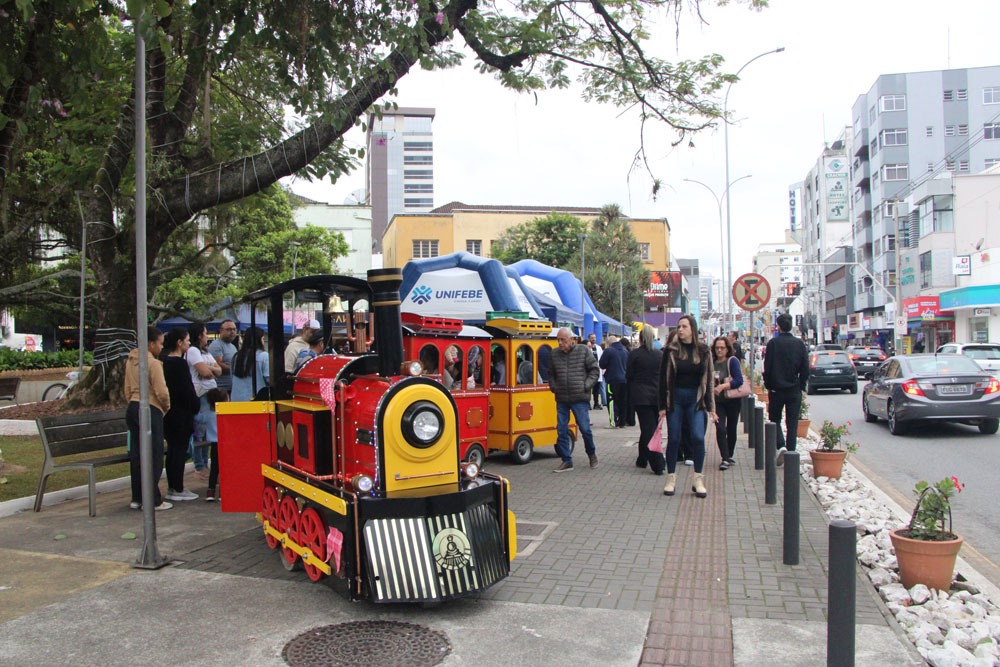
(353, 467)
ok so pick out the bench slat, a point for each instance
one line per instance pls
(80, 431)
(84, 418)
(98, 462)
(85, 445)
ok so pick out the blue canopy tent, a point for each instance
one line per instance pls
(224, 310)
(612, 326)
(556, 312)
(564, 287)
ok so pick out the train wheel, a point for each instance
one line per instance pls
(288, 520)
(312, 532)
(475, 454)
(269, 509)
(522, 450)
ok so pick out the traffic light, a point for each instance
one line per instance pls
(792, 289)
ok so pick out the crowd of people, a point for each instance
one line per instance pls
(188, 377)
(679, 387)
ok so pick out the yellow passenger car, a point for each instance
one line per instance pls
(522, 409)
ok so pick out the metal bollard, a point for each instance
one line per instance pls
(758, 439)
(746, 404)
(790, 543)
(770, 471)
(841, 594)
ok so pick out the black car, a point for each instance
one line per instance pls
(866, 358)
(831, 369)
(944, 387)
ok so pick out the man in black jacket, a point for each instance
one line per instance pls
(786, 370)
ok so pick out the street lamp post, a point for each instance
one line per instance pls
(726, 281)
(621, 308)
(725, 118)
(583, 277)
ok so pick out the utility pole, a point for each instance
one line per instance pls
(898, 314)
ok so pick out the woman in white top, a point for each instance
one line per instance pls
(204, 371)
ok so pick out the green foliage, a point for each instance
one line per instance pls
(804, 408)
(15, 360)
(221, 74)
(610, 244)
(831, 437)
(931, 518)
(551, 240)
(247, 245)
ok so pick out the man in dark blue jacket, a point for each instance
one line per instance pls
(786, 371)
(614, 361)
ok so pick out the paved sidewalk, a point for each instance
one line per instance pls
(609, 572)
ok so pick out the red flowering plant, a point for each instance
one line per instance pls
(831, 437)
(931, 519)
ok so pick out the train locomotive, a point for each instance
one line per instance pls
(353, 468)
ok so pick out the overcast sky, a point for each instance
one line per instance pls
(492, 146)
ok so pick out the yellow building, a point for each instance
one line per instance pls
(474, 228)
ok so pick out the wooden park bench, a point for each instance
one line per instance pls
(8, 389)
(66, 437)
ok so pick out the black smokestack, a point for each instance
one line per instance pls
(388, 325)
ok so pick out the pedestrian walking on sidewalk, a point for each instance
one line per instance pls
(786, 371)
(642, 374)
(159, 405)
(613, 361)
(728, 375)
(572, 374)
(178, 424)
(685, 398)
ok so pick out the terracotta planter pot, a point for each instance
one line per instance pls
(925, 562)
(828, 464)
(803, 428)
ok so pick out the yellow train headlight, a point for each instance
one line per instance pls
(422, 424)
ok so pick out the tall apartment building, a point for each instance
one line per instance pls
(400, 166)
(821, 223)
(909, 128)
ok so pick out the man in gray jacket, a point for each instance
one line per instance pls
(573, 372)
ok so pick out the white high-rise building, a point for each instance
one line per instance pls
(400, 166)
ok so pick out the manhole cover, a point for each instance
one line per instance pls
(387, 643)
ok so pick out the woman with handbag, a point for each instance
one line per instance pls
(730, 387)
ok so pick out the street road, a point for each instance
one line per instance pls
(929, 452)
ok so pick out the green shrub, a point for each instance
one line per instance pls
(15, 360)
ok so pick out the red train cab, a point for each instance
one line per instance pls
(456, 355)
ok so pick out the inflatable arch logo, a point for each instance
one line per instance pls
(421, 294)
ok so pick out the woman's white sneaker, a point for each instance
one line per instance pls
(179, 496)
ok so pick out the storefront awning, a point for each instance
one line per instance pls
(975, 296)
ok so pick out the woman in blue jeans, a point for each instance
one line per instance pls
(686, 379)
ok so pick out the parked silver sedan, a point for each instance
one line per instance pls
(943, 387)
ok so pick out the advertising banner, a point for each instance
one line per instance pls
(664, 291)
(837, 189)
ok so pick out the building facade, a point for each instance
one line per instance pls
(908, 129)
(353, 221)
(458, 227)
(820, 220)
(399, 166)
